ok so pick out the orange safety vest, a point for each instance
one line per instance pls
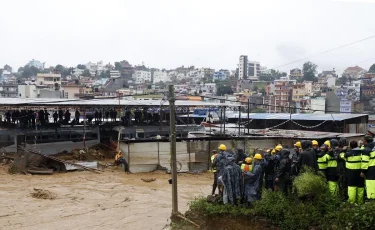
(246, 168)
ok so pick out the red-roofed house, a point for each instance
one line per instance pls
(354, 72)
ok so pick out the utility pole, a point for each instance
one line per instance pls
(172, 134)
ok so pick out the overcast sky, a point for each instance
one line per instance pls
(171, 33)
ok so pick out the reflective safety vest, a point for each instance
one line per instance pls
(322, 161)
(212, 161)
(354, 159)
(246, 168)
(365, 158)
(332, 162)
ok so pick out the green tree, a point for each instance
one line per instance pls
(372, 69)
(8, 67)
(223, 87)
(342, 80)
(81, 66)
(86, 73)
(118, 66)
(28, 71)
(309, 71)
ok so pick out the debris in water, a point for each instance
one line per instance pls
(43, 194)
(148, 180)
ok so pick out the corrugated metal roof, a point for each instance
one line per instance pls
(296, 116)
(103, 102)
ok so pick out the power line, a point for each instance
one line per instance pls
(326, 51)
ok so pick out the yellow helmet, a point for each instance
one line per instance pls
(258, 156)
(314, 142)
(273, 151)
(298, 144)
(248, 160)
(222, 147)
(278, 148)
(328, 143)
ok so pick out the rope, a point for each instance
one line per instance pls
(308, 127)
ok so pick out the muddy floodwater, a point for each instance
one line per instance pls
(84, 200)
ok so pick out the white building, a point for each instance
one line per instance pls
(248, 69)
(27, 91)
(95, 67)
(36, 64)
(208, 89)
(308, 87)
(77, 72)
(160, 76)
(114, 73)
(141, 76)
(51, 80)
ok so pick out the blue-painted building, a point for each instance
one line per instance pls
(220, 76)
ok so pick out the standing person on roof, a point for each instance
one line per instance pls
(213, 169)
(307, 158)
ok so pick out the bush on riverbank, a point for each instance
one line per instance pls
(318, 211)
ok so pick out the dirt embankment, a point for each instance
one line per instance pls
(84, 200)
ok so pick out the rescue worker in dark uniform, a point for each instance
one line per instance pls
(332, 173)
(356, 183)
(368, 166)
(343, 177)
(282, 174)
(213, 169)
(270, 162)
(322, 159)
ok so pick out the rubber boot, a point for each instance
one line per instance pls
(333, 187)
(352, 194)
(370, 189)
(360, 195)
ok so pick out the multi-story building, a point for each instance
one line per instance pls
(36, 64)
(265, 72)
(308, 87)
(298, 92)
(354, 72)
(219, 76)
(75, 91)
(242, 67)
(160, 76)
(283, 90)
(115, 74)
(141, 76)
(51, 80)
(9, 90)
(296, 74)
(346, 106)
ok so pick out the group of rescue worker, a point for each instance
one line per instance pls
(349, 169)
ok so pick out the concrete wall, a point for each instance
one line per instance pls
(55, 147)
(146, 156)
